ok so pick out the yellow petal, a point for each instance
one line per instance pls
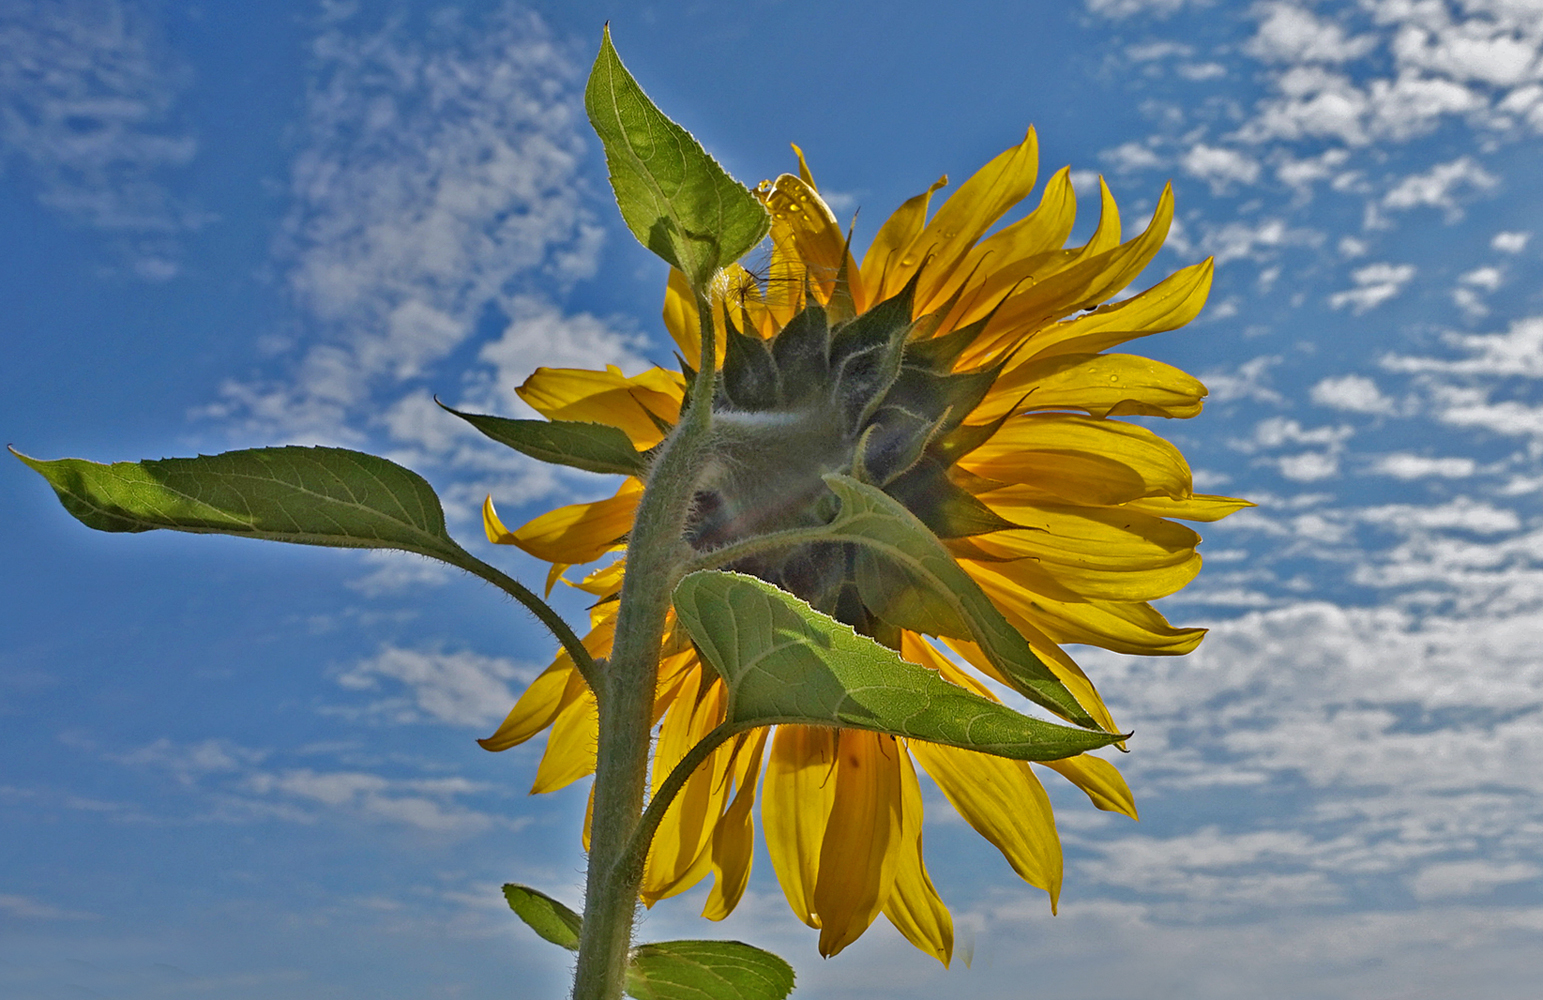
(1136, 628)
(914, 906)
(545, 698)
(862, 838)
(734, 837)
(803, 227)
(680, 856)
(605, 581)
(1100, 780)
(570, 748)
(1107, 235)
(1097, 553)
(1080, 459)
(886, 265)
(580, 532)
(1200, 507)
(796, 797)
(635, 404)
(1082, 285)
(547, 695)
(803, 167)
(966, 216)
(918, 650)
(1167, 305)
(1005, 803)
(1032, 243)
(1102, 384)
(1060, 663)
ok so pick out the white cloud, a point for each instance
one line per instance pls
(1469, 878)
(1355, 393)
(423, 803)
(1291, 34)
(1220, 167)
(1510, 242)
(1130, 157)
(1403, 465)
(439, 177)
(88, 102)
(1438, 187)
(1518, 351)
(1375, 284)
(460, 689)
(1309, 466)
(1117, 9)
(1237, 240)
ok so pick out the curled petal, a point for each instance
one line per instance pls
(637, 405)
(914, 906)
(1100, 780)
(734, 837)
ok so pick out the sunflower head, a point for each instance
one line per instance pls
(962, 369)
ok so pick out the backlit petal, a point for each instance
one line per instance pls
(796, 796)
(580, 532)
(1081, 460)
(886, 266)
(570, 748)
(1100, 780)
(1102, 384)
(862, 838)
(1005, 803)
(1167, 305)
(733, 844)
(914, 906)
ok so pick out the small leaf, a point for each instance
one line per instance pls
(908, 578)
(707, 970)
(545, 915)
(675, 198)
(312, 496)
(784, 662)
(591, 447)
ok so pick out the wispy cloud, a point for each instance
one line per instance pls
(89, 117)
(438, 198)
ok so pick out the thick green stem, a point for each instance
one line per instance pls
(657, 554)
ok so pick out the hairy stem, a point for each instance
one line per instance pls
(657, 554)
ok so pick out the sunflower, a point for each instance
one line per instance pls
(943, 369)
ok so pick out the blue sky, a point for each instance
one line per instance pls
(239, 771)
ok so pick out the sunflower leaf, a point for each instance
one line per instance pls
(591, 447)
(312, 496)
(545, 915)
(675, 198)
(909, 579)
(784, 662)
(707, 970)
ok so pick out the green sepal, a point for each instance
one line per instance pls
(674, 197)
(940, 353)
(706, 970)
(802, 353)
(591, 447)
(749, 380)
(947, 509)
(310, 496)
(545, 915)
(882, 525)
(785, 662)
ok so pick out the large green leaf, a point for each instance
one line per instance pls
(591, 447)
(675, 198)
(314, 496)
(908, 578)
(545, 915)
(707, 970)
(785, 662)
